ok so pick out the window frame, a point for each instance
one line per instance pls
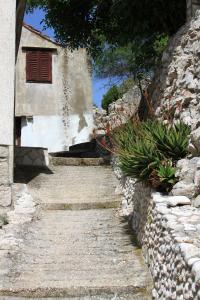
(38, 77)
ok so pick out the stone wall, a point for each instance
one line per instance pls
(192, 6)
(176, 96)
(29, 156)
(188, 172)
(5, 177)
(119, 112)
(176, 88)
(168, 231)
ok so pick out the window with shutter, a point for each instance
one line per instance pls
(39, 66)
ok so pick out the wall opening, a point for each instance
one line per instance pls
(18, 122)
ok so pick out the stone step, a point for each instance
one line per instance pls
(75, 249)
(81, 187)
(80, 206)
(89, 254)
(138, 296)
(78, 161)
(88, 146)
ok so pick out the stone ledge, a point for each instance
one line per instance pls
(31, 156)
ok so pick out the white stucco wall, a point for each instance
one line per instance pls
(7, 65)
(48, 132)
(77, 135)
(62, 111)
(43, 131)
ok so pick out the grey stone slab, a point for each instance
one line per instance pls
(76, 187)
(77, 253)
(4, 152)
(5, 195)
(4, 171)
(139, 296)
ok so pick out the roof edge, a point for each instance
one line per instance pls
(39, 33)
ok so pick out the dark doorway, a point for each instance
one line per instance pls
(18, 121)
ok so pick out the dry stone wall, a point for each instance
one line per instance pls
(169, 235)
(176, 89)
(168, 230)
(192, 7)
(189, 179)
(119, 112)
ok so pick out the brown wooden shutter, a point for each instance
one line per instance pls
(39, 66)
(45, 61)
(32, 66)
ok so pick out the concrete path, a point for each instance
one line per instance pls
(77, 248)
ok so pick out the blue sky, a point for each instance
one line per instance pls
(100, 86)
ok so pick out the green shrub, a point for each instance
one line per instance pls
(160, 44)
(149, 150)
(116, 92)
(112, 95)
(127, 85)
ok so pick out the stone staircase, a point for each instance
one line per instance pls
(84, 154)
(77, 247)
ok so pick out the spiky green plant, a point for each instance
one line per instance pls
(166, 174)
(124, 138)
(141, 160)
(171, 140)
(149, 150)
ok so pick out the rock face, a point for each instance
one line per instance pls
(189, 178)
(119, 112)
(176, 94)
(177, 88)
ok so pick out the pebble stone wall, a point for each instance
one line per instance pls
(168, 230)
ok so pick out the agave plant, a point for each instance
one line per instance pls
(124, 138)
(141, 161)
(166, 174)
(149, 150)
(172, 140)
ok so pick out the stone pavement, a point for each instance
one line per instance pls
(76, 246)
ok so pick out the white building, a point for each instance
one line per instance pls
(53, 106)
